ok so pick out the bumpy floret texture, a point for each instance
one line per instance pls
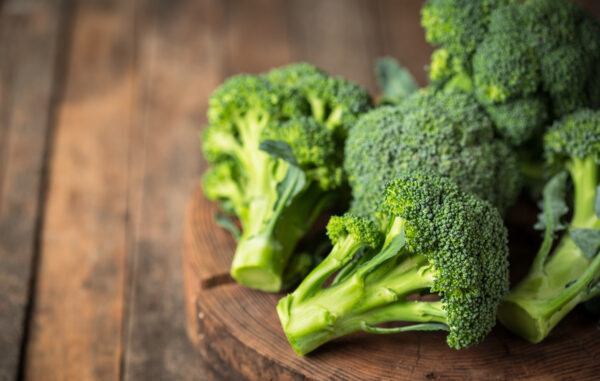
(515, 51)
(447, 132)
(244, 94)
(334, 101)
(221, 182)
(576, 135)
(360, 229)
(314, 148)
(466, 242)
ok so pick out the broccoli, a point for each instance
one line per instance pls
(274, 144)
(334, 102)
(527, 62)
(429, 238)
(396, 83)
(447, 132)
(560, 279)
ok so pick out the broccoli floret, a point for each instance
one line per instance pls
(545, 53)
(429, 238)
(273, 141)
(334, 102)
(447, 132)
(313, 147)
(221, 183)
(396, 83)
(560, 279)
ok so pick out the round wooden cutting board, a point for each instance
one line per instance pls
(237, 332)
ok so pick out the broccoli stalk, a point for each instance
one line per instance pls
(430, 239)
(570, 275)
(277, 222)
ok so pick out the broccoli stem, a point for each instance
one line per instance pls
(271, 231)
(584, 173)
(374, 293)
(540, 301)
(556, 285)
(272, 223)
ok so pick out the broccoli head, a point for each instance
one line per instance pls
(335, 102)
(430, 238)
(560, 279)
(528, 62)
(273, 142)
(447, 132)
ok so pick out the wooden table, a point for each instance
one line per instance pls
(100, 107)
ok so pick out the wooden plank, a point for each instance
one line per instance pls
(339, 36)
(181, 50)
(29, 40)
(76, 332)
(256, 36)
(403, 37)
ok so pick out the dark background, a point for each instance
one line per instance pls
(101, 103)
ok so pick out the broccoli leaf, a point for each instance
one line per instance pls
(394, 80)
(279, 149)
(597, 202)
(227, 223)
(588, 240)
(294, 180)
(389, 251)
(554, 206)
(292, 184)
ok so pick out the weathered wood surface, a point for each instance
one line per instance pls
(238, 334)
(178, 66)
(29, 39)
(109, 282)
(77, 320)
(101, 102)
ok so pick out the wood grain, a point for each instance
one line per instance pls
(77, 318)
(29, 37)
(255, 36)
(179, 65)
(401, 34)
(338, 36)
(239, 336)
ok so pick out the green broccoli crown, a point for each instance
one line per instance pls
(220, 142)
(335, 102)
(249, 95)
(517, 49)
(361, 229)
(313, 146)
(576, 135)
(448, 133)
(465, 240)
(457, 24)
(517, 118)
(220, 183)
